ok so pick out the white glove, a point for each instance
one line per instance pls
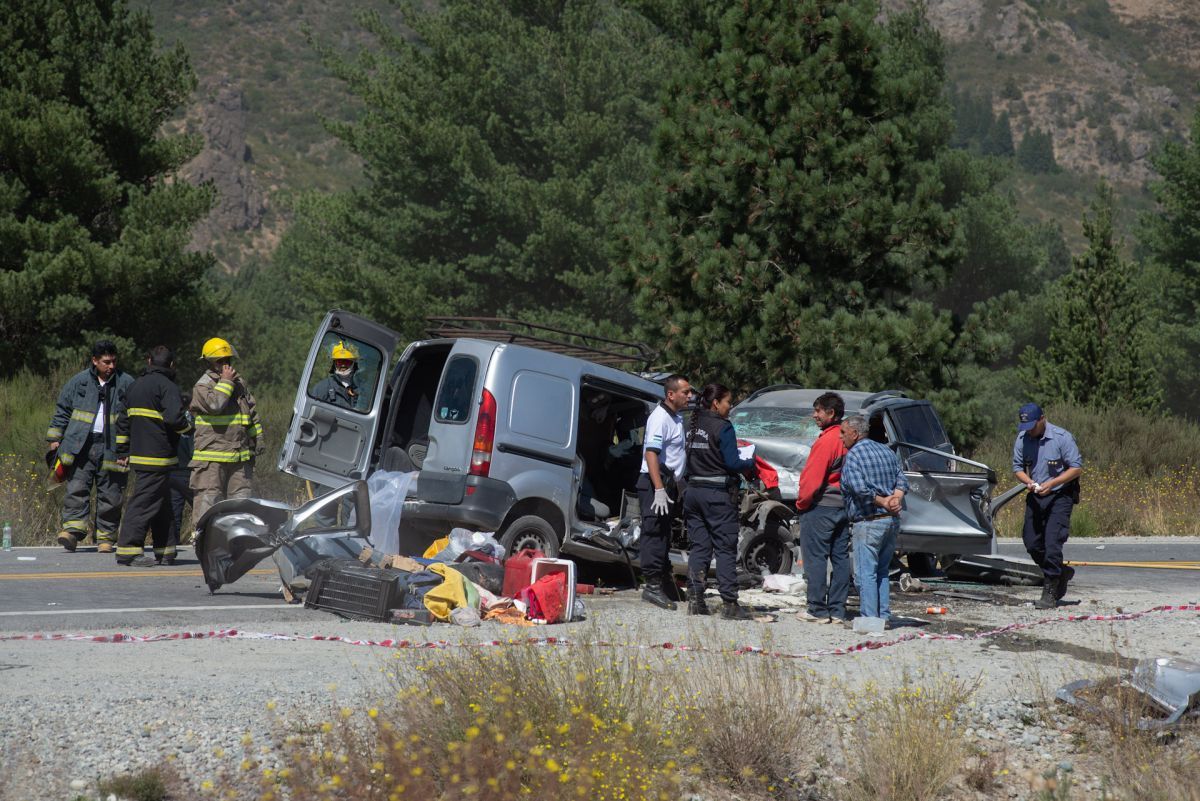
(661, 503)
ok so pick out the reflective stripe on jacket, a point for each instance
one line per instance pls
(153, 422)
(227, 425)
(75, 413)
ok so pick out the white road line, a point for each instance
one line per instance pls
(150, 609)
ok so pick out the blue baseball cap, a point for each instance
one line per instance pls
(1028, 416)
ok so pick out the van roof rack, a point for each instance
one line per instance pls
(601, 350)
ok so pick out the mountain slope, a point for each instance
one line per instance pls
(1106, 79)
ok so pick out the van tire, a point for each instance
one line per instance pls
(530, 531)
(922, 565)
(770, 549)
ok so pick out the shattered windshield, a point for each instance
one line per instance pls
(769, 421)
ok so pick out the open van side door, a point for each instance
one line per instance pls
(334, 422)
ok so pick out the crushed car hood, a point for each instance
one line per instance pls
(237, 534)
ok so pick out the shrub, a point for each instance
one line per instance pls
(1140, 472)
(148, 785)
(32, 505)
(908, 744)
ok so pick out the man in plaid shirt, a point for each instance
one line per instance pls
(873, 486)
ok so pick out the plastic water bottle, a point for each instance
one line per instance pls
(7, 536)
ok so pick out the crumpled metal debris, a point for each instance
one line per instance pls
(1170, 687)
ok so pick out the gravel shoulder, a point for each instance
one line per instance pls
(76, 711)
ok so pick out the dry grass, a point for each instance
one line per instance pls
(1145, 770)
(757, 720)
(32, 505)
(983, 769)
(907, 743)
(526, 721)
(1140, 473)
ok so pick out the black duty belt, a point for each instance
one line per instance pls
(712, 481)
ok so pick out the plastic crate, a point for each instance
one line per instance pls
(356, 590)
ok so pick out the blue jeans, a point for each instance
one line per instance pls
(825, 544)
(874, 542)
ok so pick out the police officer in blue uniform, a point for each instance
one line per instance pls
(1047, 461)
(710, 506)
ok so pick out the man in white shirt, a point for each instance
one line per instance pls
(663, 460)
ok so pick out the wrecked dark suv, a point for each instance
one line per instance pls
(950, 507)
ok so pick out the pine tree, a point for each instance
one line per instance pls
(1171, 237)
(999, 141)
(1035, 154)
(93, 224)
(501, 139)
(795, 206)
(1100, 350)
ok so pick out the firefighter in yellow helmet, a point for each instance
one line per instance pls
(340, 387)
(228, 432)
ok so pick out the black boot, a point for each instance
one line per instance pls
(1064, 578)
(732, 610)
(653, 593)
(698, 608)
(1047, 601)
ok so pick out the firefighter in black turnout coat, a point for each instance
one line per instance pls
(710, 504)
(153, 420)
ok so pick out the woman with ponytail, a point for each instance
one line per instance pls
(710, 505)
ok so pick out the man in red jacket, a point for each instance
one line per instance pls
(824, 527)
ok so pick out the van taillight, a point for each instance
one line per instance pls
(485, 435)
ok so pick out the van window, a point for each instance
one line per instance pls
(920, 426)
(458, 389)
(354, 386)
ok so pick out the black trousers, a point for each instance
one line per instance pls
(825, 544)
(654, 543)
(712, 526)
(1047, 526)
(149, 508)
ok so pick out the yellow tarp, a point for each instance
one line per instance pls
(448, 595)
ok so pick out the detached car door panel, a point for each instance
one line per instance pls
(335, 420)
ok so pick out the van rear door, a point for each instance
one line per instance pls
(456, 405)
(335, 418)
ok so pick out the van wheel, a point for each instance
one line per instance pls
(922, 565)
(533, 532)
(767, 550)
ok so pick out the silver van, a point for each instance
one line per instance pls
(508, 432)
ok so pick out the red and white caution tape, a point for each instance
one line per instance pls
(866, 645)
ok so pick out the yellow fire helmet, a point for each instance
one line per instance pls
(217, 348)
(340, 351)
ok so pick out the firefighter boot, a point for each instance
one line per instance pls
(1047, 601)
(698, 607)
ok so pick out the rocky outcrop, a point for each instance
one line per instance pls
(225, 161)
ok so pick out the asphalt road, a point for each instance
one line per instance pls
(46, 589)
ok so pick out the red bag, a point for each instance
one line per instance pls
(550, 591)
(518, 569)
(533, 609)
